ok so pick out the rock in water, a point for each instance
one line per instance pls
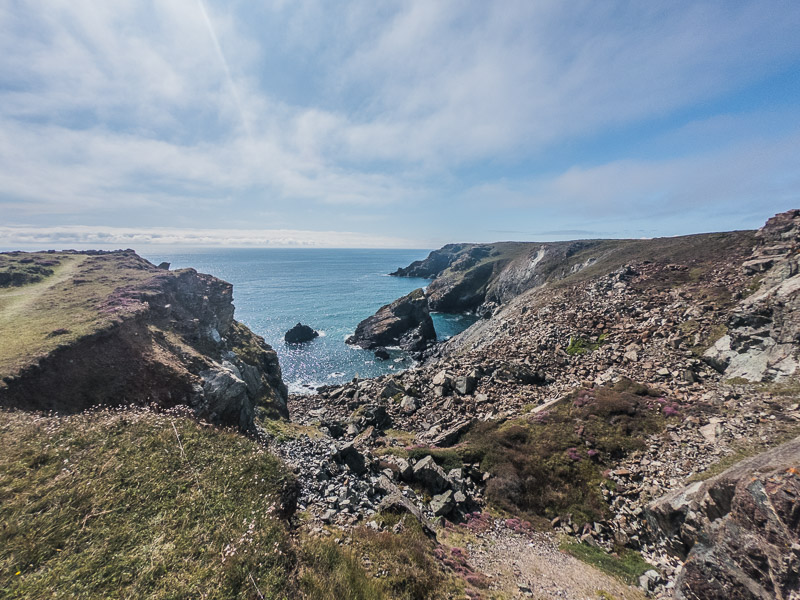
(405, 322)
(299, 334)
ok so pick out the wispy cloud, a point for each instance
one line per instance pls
(423, 119)
(122, 237)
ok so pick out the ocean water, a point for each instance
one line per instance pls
(330, 290)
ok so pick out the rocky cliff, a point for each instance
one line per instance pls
(112, 329)
(406, 323)
(761, 343)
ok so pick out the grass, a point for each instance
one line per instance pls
(402, 566)
(38, 317)
(579, 345)
(21, 268)
(111, 504)
(283, 430)
(130, 504)
(627, 566)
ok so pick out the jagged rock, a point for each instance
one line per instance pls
(381, 354)
(300, 334)
(352, 458)
(406, 323)
(452, 434)
(164, 265)
(443, 504)
(430, 475)
(391, 389)
(409, 404)
(466, 384)
(734, 529)
(210, 362)
(373, 415)
(395, 502)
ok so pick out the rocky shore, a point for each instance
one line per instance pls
(586, 338)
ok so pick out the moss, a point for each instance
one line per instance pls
(579, 345)
(283, 430)
(401, 565)
(625, 564)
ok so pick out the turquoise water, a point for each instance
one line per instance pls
(330, 290)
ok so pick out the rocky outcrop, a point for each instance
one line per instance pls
(300, 334)
(738, 531)
(406, 323)
(161, 338)
(761, 343)
(436, 262)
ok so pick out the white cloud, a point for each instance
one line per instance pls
(122, 237)
(123, 107)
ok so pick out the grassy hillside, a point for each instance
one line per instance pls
(60, 305)
(131, 504)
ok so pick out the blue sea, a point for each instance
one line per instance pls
(330, 290)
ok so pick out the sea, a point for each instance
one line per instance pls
(331, 290)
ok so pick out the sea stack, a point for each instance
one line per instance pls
(300, 334)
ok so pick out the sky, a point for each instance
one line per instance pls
(393, 124)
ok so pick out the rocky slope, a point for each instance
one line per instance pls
(112, 329)
(591, 389)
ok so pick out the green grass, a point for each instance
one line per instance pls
(132, 504)
(38, 317)
(404, 563)
(113, 505)
(21, 268)
(579, 345)
(627, 566)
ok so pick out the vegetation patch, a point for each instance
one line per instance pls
(22, 268)
(128, 504)
(552, 463)
(374, 565)
(131, 504)
(579, 345)
(624, 564)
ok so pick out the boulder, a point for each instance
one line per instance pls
(381, 354)
(354, 460)
(300, 334)
(443, 504)
(406, 323)
(430, 475)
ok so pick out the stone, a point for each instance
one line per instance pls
(381, 354)
(409, 404)
(354, 460)
(733, 529)
(430, 475)
(300, 334)
(391, 389)
(443, 504)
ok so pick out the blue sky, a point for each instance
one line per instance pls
(393, 124)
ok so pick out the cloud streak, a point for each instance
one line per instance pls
(423, 119)
(83, 236)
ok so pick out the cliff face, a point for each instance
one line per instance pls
(406, 322)
(135, 334)
(763, 331)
